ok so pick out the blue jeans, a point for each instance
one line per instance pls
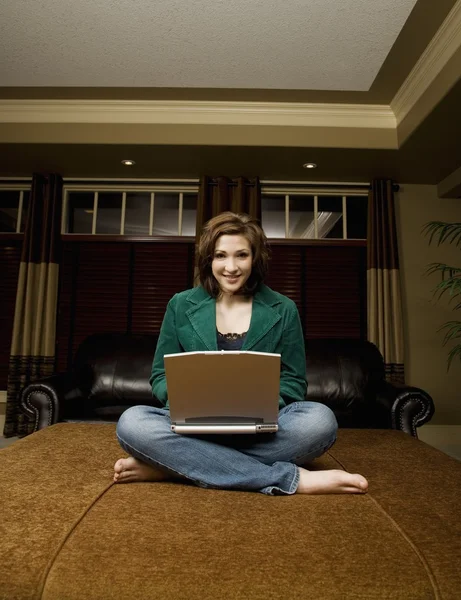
(264, 462)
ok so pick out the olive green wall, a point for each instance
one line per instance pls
(425, 358)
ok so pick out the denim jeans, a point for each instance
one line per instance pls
(264, 462)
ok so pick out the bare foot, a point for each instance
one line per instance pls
(127, 470)
(330, 482)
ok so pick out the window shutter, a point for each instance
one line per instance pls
(67, 268)
(125, 286)
(10, 258)
(94, 293)
(117, 287)
(160, 270)
(335, 292)
(286, 272)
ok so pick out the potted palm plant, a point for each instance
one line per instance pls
(450, 279)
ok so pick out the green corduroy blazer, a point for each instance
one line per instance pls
(190, 325)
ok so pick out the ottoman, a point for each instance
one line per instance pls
(69, 533)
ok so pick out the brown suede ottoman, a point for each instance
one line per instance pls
(68, 533)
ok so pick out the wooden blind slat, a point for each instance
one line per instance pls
(285, 272)
(334, 292)
(10, 258)
(93, 296)
(160, 271)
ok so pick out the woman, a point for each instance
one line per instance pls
(232, 309)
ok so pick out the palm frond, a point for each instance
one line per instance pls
(454, 352)
(446, 232)
(453, 331)
(443, 269)
(453, 288)
(450, 282)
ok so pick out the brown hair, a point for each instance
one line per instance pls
(229, 223)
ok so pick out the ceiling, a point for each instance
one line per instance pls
(237, 44)
(363, 88)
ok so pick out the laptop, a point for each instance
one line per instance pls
(223, 392)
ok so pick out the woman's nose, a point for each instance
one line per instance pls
(231, 265)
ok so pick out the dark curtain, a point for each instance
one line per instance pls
(383, 280)
(34, 328)
(221, 194)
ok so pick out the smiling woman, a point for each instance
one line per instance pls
(233, 300)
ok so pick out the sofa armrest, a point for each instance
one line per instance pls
(407, 407)
(43, 400)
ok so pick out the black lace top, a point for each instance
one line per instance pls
(230, 341)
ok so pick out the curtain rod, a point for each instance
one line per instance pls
(312, 184)
(77, 180)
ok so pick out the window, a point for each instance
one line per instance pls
(142, 211)
(136, 278)
(317, 235)
(341, 215)
(170, 210)
(13, 209)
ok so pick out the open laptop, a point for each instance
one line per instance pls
(223, 392)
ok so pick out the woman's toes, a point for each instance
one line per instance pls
(124, 476)
(362, 483)
(118, 467)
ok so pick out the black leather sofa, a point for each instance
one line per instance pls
(111, 372)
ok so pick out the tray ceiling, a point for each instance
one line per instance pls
(262, 44)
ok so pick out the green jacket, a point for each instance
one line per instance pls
(190, 325)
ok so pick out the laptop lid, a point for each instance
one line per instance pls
(223, 389)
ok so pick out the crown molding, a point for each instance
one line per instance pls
(281, 114)
(441, 48)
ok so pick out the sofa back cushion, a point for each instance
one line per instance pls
(343, 374)
(113, 372)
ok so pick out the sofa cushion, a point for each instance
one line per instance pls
(113, 372)
(344, 375)
(69, 533)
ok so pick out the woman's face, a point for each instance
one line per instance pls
(232, 262)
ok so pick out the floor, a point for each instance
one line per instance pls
(4, 442)
(446, 438)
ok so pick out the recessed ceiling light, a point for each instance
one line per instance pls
(309, 165)
(128, 163)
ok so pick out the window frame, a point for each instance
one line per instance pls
(293, 189)
(156, 187)
(288, 189)
(20, 187)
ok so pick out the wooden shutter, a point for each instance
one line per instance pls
(335, 291)
(117, 287)
(64, 331)
(286, 272)
(125, 286)
(94, 293)
(160, 270)
(10, 258)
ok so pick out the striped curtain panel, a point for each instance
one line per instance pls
(383, 280)
(34, 329)
(219, 195)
